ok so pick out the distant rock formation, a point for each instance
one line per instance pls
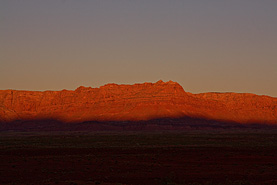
(135, 102)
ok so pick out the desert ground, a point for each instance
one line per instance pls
(142, 157)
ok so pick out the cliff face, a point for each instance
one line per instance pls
(135, 102)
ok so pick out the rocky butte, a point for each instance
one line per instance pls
(136, 102)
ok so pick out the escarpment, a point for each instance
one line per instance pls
(136, 102)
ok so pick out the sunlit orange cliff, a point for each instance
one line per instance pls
(135, 102)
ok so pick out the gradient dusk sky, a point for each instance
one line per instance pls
(205, 45)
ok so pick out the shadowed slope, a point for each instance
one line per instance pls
(136, 102)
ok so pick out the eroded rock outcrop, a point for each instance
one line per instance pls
(135, 102)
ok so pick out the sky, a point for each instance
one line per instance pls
(205, 46)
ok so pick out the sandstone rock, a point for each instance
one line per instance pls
(135, 102)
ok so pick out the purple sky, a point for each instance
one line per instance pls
(204, 45)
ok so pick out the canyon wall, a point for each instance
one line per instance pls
(135, 102)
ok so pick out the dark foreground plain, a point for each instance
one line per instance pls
(243, 156)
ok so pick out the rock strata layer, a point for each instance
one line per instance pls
(135, 102)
